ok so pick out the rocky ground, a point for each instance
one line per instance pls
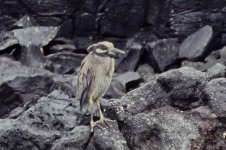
(168, 91)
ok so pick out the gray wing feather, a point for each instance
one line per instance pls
(85, 87)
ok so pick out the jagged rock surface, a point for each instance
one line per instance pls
(42, 43)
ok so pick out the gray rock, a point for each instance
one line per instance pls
(7, 40)
(162, 53)
(195, 45)
(25, 21)
(37, 36)
(146, 72)
(147, 97)
(217, 71)
(62, 48)
(214, 56)
(86, 24)
(223, 55)
(204, 112)
(53, 112)
(123, 83)
(14, 135)
(131, 58)
(183, 86)
(160, 129)
(77, 139)
(215, 91)
(5, 22)
(64, 62)
(127, 77)
(196, 65)
(31, 56)
(23, 91)
(111, 23)
(144, 36)
(153, 11)
(22, 86)
(82, 43)
(115, 90)
(108, 138)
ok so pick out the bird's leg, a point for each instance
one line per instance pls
(90, 106)
(102, 118)
(92, 123)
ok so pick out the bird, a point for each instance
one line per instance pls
(94, 78)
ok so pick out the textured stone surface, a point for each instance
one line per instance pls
(215, 94)
(183, 86)
(217, 71)
(64, 62)
(146, 72)
(149, 96)
(7, 40)
(179, 109)
(38, 36)
(164, 128)
(195, 45)
(162, 53)
(130, 60)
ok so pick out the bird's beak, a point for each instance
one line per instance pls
(117, 51)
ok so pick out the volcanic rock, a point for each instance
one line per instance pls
(162, 53)
(215, 91)
(163, 128)
(217, 71)
(195, 45)
(183, 86)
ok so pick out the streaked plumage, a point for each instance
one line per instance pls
(95, 77)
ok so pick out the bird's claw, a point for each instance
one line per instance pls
(101, 121)
(94, 124)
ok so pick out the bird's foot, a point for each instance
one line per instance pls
(101, 121)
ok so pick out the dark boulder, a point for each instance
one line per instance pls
(64, 62)
(60, 45)
(31, 56)
(22, 86)
(53, 112)
(122, 83)
(32, 39)
(131, 58)
(162, 53)
(164, 128)
(195, 45)
(77, 139)
(215, 91)
(129, 20)
(108, 138)
(184, 86)
(184, 18)
(5, 22)
(22, 92)
(14, 135)
(24, 22)
(115, 90)
(147, 97)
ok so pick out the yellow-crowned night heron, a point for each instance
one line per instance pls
(95, 77)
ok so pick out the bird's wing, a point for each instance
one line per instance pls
(84, 81)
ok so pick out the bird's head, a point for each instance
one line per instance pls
(104, 48)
